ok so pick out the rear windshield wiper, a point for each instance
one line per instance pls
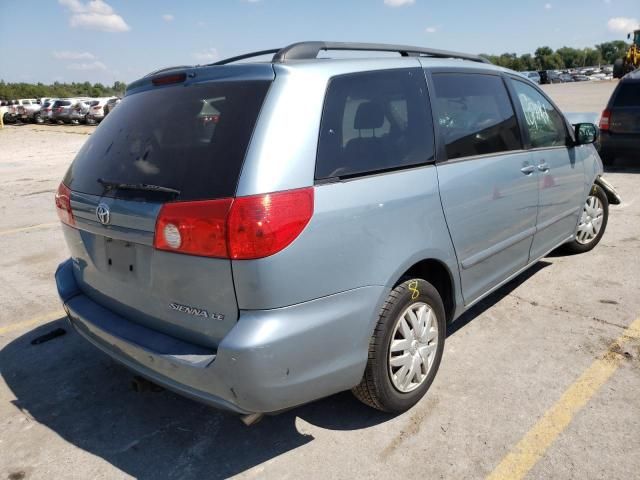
(136, 186)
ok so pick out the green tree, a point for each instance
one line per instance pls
(611, 51)
(592, 57)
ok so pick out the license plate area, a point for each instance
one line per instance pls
(120, 257)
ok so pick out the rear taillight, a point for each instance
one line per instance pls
(239, 228)
(63, 205)
(262, 225)
(195, 228)
(605, 120)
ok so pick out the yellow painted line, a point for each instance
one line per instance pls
(536, 441)
(29, 228)
(47, 317)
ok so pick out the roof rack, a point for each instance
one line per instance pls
(246, 55)
(310, 50)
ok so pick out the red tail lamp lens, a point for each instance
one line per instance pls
(63, 205)
(605, 120)
(263, 225)
(195, 228)
(239, 228)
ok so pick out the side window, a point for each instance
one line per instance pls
(544, 123)
(475, 115)
(374, 121)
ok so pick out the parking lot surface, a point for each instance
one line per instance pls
(540, 380)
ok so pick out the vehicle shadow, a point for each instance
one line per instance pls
(489, 301)
(87, 399)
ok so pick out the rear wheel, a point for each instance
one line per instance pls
(405, 349)
(593, 222)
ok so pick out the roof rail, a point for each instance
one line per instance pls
(310, 50)
(246, 55)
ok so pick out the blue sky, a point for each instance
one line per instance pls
(108, 40)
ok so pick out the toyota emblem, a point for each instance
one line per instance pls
(103, 214)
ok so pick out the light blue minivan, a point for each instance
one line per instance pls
(259, 235)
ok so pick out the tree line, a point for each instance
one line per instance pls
(546, 58)
(12, 91)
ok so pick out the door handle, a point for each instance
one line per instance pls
(528, 170)
(543, 167)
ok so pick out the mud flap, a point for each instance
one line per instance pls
(612, 195)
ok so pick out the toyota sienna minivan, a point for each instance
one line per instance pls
(262, 234)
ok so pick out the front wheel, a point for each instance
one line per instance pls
(593, 222)
(618, 68)
(405, 349)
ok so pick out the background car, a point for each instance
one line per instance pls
(46, 112)
(97, 110)
(620, 121)
(549, 76)
(60, 110)
(110, 105)
(78, 112)
(533, 76)
(28, 109)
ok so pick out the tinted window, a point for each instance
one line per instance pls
(544, 123)
(190, 139)
(475, 115)
(628, 95)
(374, 121)
(62, 103)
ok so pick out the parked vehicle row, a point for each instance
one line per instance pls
(58, 110)
(544, 77)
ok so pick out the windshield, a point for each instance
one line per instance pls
(636, 38)
(192, 139)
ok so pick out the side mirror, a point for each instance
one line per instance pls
(628, 36)
(586, 133)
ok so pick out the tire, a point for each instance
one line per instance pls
(597, 199)
(377, 388)
(618, 68)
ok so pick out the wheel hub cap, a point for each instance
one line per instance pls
(590, 221)
(413, 347)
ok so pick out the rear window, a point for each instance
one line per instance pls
(189, 139)
(62, 103)
(628, 95)
(475, 115)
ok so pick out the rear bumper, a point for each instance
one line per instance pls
(620, 144)
(271, 360)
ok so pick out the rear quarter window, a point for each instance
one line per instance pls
(374, 121)
(192, 139)
(475, 115)
(628, 95)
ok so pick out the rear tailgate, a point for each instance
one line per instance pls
(625, 114)
(160, 137)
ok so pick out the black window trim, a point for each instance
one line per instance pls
(384, 171)
(441, 153)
